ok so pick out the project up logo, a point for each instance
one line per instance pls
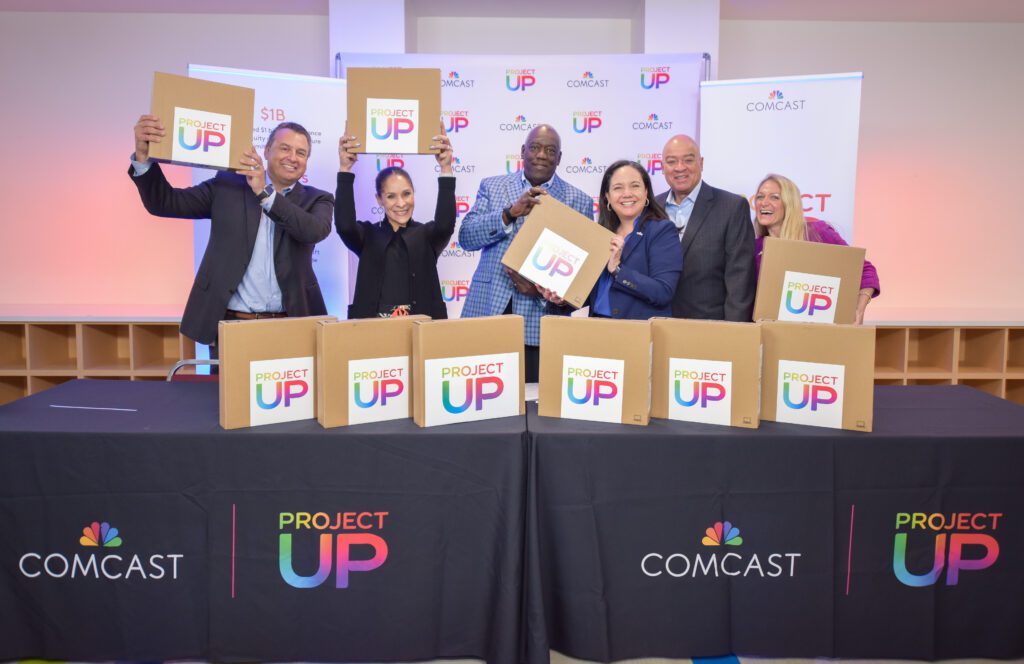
(651, 161)
(961, 542)
(392, 125)
(281, 390)
(808, 298)
(724, 559)
(520, 80)
(99, 560)
(201, 137)
(378, 389)
(700, 390)
(389, 161)
(340, 541)
(475, 387)
(454, 290)
(592, 388)
(585, 122)
(455, 121)
(810, 393)
(553, 262)
(652, 78)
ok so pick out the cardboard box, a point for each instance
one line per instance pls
(560, 249)
(595, 369)
(208, 124)
(394, 110)
(467, 369)
(267, 370)
(821, 375)
(363, 370)
(808, 282)
(706, 371)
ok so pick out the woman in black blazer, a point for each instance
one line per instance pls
(397, 272)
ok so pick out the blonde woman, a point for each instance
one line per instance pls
(779, 213)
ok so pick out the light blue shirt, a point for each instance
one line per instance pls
(508, 228)
(680, 212)
(259, 291)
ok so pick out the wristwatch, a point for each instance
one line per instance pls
(265, 194)
(507, 214)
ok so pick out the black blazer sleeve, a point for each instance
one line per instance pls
(740, 266)
(440, 230)
(306, 226)
(352, 232)
(162, 200)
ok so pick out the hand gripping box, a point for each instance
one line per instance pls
(467, 369)
(595, 369)
(706, 371)
(560, 249)
(267, 370)
(808, 282)
(363, 370)
(208, 124)
(822, 375)
(394, 110)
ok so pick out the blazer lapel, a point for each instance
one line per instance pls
(253, 214)
(633, 240)
(705, 199)
(292, 196)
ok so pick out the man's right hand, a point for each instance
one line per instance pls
(148, 130)
(525, 203)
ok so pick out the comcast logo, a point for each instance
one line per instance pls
(722, 533)
(100, 534)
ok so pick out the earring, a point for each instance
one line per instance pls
(647, 201)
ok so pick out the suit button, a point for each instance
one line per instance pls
(413, 275)
(414, 301)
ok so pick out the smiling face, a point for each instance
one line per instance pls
(627, 194)
(768, 206)
(541, 154)
(398, 199)
(286, 155)
(682, 165)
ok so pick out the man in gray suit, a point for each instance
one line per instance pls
(718, 279)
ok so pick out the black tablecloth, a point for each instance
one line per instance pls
(617, 566)
(202, 516)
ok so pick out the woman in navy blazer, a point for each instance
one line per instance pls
(645, 258)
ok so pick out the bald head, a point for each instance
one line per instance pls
(682, 165)
(541, 153)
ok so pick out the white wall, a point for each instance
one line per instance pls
(941, 152)
(74, 84)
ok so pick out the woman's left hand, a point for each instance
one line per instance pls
(444, 148)
(615, 253)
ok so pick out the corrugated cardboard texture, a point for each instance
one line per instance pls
(739, 343)
(852, 346)
(463, 337)
(574, 227)
(245, 341)
(781, 256)
(394, 83)
(626, 340)
(339, 342)
(238, 102)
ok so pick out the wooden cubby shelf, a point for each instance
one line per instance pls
(35, 356)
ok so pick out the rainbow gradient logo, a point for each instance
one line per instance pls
(456, 250)
(704, 388)
(810, 393)
(592, 388)
(809, 298)
(383, 127)
(553, 261)
(513, 163)
(389, 161)
(461, 204)
(457, 121)
(653, 117)
(520, 79)
(963, 531)
(478, 389)
(100, 534)
(652, 78)
(282, 390)
(806, 391)
(454, 290)
(586, 161)
(722, 533)
(775, 94)
(453, 75)
(201, 137)
(377, 389)
(380, 391)
(585, 122)
(699, 390)
(469, 388)
(335, 535)
(588, 75)
(651, 161)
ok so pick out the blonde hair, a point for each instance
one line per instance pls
(794, 226)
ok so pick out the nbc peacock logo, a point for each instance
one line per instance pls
(587, 80)
(653, 122)
(100, 534)
(722, 533)
(519, 123)
(585, 165)
(455, 80)
(98, 561)
(775, 94)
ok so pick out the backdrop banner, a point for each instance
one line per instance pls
(605, 107)
(802, 127)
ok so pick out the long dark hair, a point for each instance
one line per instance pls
(607, 217)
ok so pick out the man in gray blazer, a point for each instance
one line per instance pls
(719, 278)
